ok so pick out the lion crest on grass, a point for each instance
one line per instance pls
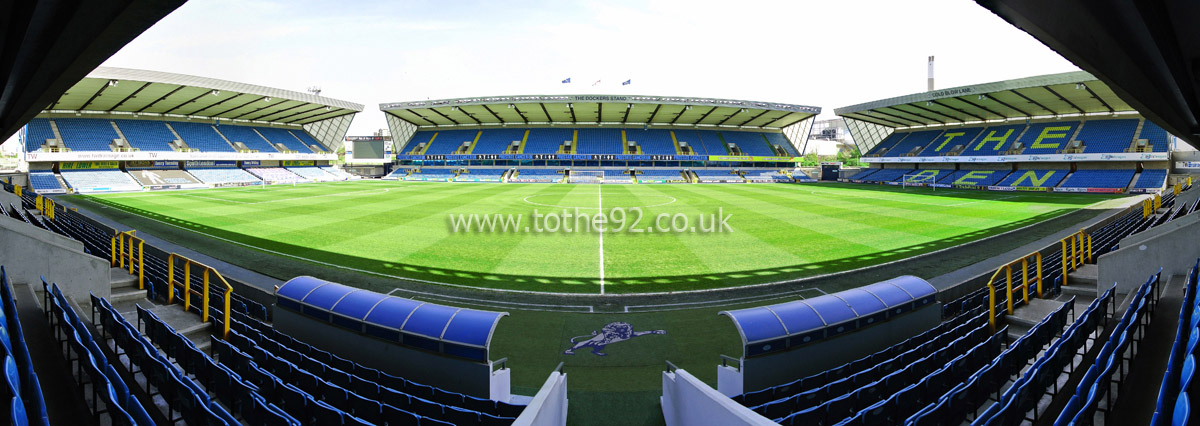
(614, 332)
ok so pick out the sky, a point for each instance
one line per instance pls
(829, 53)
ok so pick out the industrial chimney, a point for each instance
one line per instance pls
(930, 73)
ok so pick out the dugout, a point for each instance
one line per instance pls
(786, 341)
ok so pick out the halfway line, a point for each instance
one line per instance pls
(600, 206)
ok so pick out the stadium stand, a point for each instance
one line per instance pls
(337, 173)
(1117, 179)
(599, 141)
(950, 139)
(1151, 179)
(416, 140)
(22, 396)
(1047, 138)
(779, 139)
(99, 180)
(309, 141)
(247, 136)
(479, 174)
(276, 174)
(1035, 178)
(652, 141)
(224, 176)
(36, 133)
(282, 136)
(709, 141)
(659, 175)
(433, 174)
(312, 174)
(719, 175)
(449, 141)
(886, 144)
(45, 183)
(496, 141)
(887, 175)
(1176, 393)
(750, 143)
(994, 140)
(546, 141)
(766, 176)
(925, 175)
(148, 177)
(146, 135)
(1155, 136)
(1107, 135)
(913, 144)
(536, 175)
(974, 177)
(86, 134)
(201, 136)
(864, 173)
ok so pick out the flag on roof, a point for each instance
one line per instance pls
(627, 82)
(568, 80)
(597, 82)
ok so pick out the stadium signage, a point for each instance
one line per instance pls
(1125, 156)
(367, 138)
(297, 163)
(941, 185)
(209, 164)
(1070, 189)
(1145, 191)
(1187, 164)
(251, 163)
(82, 165)
(1002, 188)
(143, 164)
(575, 157)
(171, 156)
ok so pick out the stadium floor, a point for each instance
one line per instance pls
(779, 232)
(622, 387)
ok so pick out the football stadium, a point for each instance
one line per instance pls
(183, 249)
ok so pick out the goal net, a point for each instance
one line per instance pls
(271, 182)
(587, 176)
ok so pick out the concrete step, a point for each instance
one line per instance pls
(132, 295)
(1085, 275)
(1081, 292)
(120, 278)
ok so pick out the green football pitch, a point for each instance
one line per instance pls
(671, 237)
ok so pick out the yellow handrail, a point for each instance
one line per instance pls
(187, 288)
(1007, 268)
(1081, 248)
(119, 254)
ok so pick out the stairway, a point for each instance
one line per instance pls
(125, 295)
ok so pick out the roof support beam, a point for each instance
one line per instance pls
(435, 111)
(702, 117)
(161, 98)
(544, 111)
(755, 117)
(897, 108)
(931, 111)
(625, 118)
(1060, 97)
(493, 113)
(1006, 105)
(131, 96)
(958, 109)
(103, 87)
(910, 121)
(1026, 98)
(219, 114)
(296, 114)
(279, 112)
(964, 100)
(571, 108)
(682, 111)
(876, 120)
(414, 112)
(185, 103)
(785, 116)
(218, 103)
(1098, 98)
(654, 113)
(599, 112)
(735, 113)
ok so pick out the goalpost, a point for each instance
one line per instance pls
(586, 176)
(266, 182)
(915, 178)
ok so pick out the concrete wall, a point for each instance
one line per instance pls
(1173, 246)
(29, 253)
(764, 371)
(452, 374)
(549, 406)
(688, 401)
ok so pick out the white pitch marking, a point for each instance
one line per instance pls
(600, 198)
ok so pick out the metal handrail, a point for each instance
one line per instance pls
(119, 254)
(1007, 268)
(1081, 248)
(187, 288)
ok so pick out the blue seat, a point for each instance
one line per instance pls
(139, 414)
(1188, 372)
(397, 417)
(17, 415)
(324, 414)
(1183, 411)
(365, 408)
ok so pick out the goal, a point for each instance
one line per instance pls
(586, 176)
(267, 182)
